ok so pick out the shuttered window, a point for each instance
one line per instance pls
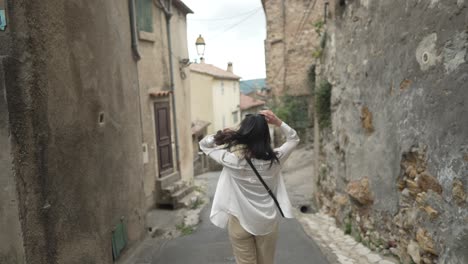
(145, 15)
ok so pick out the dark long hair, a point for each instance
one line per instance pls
(254, 134)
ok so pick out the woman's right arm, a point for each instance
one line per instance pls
(292, 139)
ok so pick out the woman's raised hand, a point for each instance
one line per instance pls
(271, 118)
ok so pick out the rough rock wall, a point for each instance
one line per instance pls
(396, 163)
(76, 176)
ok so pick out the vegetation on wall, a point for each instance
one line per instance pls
(319, 29)
(317, 53)
(323, 104)
(294, 110)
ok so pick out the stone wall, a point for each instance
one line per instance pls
(75, 133)
(395, 163)
(291, 46)
(291, 41)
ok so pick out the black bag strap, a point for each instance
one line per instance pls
(265, 185)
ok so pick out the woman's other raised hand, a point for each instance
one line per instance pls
(271, 118)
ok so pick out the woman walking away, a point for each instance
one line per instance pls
(251, 197)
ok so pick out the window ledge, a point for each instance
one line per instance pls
(147, 36)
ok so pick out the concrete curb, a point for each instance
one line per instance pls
(335, 244)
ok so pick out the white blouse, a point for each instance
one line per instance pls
(240, 193)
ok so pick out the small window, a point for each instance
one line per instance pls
(235, 117)
(145, 15)
(222, 88)
(224, 121)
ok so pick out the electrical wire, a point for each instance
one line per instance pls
(309, 8)
(225, 18)
(236, 24)
(297, 35)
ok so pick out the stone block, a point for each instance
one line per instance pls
(425, 241)
(428, 182)
(360, 191)
(413, 251)
(366, 120)
(458, 192)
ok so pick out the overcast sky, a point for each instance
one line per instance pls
(234, 30)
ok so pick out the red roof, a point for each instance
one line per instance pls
(212, 70)
(157, 93)
(247, 102)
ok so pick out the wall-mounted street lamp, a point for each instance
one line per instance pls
(200, 44)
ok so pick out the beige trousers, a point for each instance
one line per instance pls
(250, 249)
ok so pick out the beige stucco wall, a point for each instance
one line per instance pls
(202, 98)
(154, 73)
(210, 102)
(225, 101)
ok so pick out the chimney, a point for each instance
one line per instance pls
(202, 60)
(229, 68)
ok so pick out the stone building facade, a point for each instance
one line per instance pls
(291, 42)
(395, 162)
(292, 48)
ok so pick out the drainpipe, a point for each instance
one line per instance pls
(137, 57)
(133, 30)
(168, 13)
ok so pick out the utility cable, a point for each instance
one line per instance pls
(225, 18)
(236, 24)
(299, 36)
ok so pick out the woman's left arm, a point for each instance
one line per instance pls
(208, 146)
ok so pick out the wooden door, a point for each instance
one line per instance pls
(163, 138)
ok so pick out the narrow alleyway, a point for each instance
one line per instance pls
(210, 244)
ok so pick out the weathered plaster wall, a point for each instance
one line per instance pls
(11, 241)
(397, 160)
(70, 61)
(153, 71)
(182, 93)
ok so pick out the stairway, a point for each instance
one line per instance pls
(176, 193)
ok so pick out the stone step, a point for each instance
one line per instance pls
(188, 201)
(180, 194)
(168, 180)
(174, 187)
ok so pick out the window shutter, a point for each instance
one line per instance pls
(145, 15)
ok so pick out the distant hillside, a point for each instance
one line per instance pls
(249, 86)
